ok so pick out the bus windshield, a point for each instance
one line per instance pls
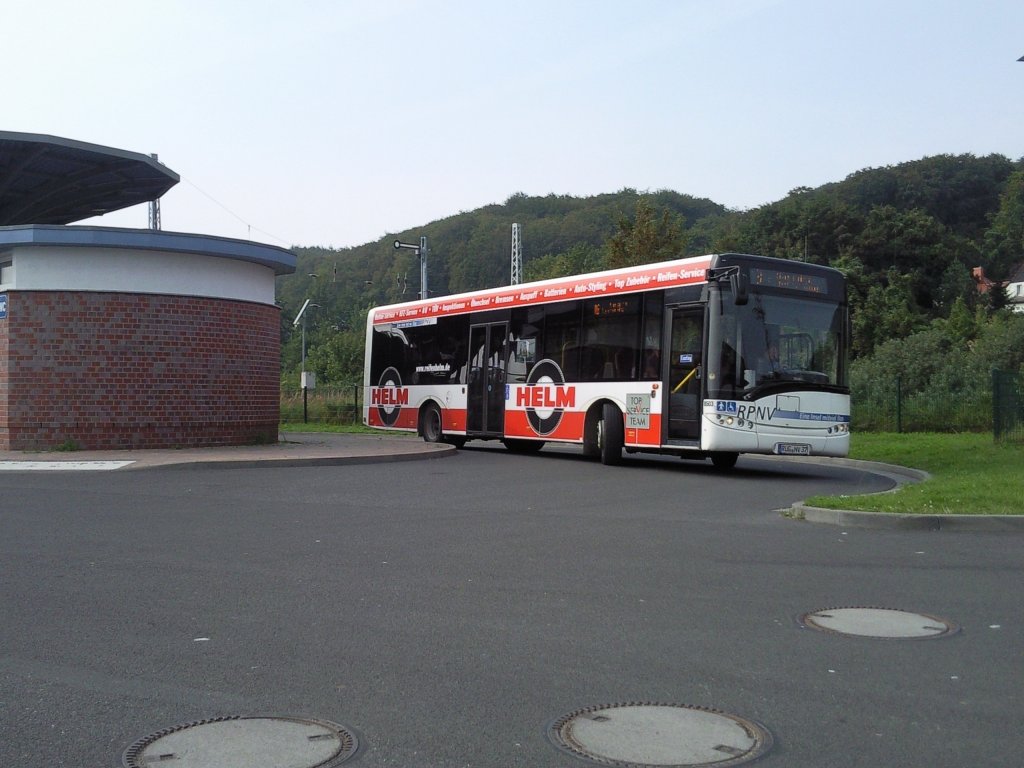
(775, 342)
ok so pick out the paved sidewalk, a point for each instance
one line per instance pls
(294, 449)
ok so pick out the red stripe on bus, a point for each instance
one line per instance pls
(650, 436)
(569, 428)
(406, 419)
(667, 275)
(453, 419)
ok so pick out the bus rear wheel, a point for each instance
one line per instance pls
(430, 424)
(611, 435)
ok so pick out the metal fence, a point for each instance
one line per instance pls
(881, 405)
(1008, 406)
(329, 405)
(884, 405)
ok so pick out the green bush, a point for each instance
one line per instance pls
(939, 379)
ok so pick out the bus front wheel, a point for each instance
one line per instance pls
(611, 435)
(724, 459)
(591, 428)
(430, 424)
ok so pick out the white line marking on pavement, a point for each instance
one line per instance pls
(63, 465)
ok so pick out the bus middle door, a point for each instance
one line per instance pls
(486, 386)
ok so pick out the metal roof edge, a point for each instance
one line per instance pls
(281, 260)
(60, 141)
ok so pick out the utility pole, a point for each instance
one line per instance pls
(423, 268)
(154, 207)
(517, 255)
(307, 379)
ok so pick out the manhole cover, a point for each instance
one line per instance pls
(637, 735)
(242, 742)
(883, 623)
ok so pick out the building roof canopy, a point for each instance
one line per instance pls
(50, 180)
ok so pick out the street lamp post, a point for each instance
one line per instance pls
(305, 378)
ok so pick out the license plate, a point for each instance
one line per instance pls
(793, 449)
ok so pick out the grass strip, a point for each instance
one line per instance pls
(971, 475)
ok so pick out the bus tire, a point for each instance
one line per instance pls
(724, 459)
(591, 428)
(430, 424)
(611, 435)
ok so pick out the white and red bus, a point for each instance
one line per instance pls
(704, 357)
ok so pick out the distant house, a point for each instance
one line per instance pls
(981, 279)
(1014, 287)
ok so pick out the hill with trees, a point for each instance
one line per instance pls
(907, 236)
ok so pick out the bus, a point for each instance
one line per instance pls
(704, 358)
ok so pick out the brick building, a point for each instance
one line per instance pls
(134, 338)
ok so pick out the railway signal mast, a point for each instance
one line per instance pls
(517, 255)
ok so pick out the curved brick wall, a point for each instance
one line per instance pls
(125, 370)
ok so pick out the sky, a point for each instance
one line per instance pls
(334, 123)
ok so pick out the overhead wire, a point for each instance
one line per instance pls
(248, 225)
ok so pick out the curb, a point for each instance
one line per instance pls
(852, 518)
(298, 461)
(295, 452)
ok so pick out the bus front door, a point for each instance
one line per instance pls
(486, 385)
(683, 382)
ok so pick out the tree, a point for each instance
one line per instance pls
(577, 260)
(909, 242)
(647, 238)
(337, 356)
(1004, 240)
(957, 285)
(889, 312)
(961, 323)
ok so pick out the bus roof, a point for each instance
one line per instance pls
(645, 277)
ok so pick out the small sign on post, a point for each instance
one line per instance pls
(3, 306)
(638, 411)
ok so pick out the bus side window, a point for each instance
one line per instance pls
(522, 347)
(611, 330)
(561, 337)
(651, 338)
(624, 367)
(652, 364)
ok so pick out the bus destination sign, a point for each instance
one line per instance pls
(793, 281)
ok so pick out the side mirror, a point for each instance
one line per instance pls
(739, 283)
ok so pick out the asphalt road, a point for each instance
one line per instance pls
(448, 611)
